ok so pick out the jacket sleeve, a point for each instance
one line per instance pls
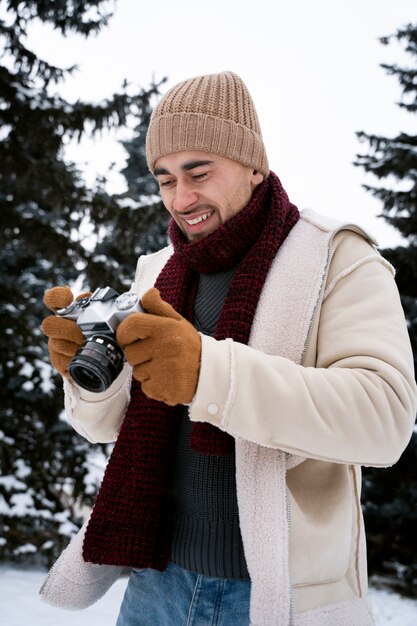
(98, 416)
(355, 404)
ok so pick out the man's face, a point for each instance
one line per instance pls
(203, 190)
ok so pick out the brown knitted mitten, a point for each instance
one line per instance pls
(65, 337)
(164, 350)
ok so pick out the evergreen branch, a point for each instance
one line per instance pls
(78, 16)
(26, 63)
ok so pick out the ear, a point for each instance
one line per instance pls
(256, 179)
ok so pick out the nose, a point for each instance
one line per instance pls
(185, 197)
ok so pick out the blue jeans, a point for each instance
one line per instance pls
(177, 597)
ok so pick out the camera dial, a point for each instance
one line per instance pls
(126, 301)
(75, 304)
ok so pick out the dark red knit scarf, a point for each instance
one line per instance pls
(130, 522)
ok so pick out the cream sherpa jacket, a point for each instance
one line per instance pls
(325, 385)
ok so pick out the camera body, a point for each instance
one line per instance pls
(100, 359)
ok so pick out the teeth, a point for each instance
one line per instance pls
(199, 219)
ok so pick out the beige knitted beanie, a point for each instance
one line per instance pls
(214, 113)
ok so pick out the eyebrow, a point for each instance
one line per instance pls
(189, 165)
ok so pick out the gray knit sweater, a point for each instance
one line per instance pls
(207, 536)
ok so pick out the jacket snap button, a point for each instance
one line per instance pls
(212, 409)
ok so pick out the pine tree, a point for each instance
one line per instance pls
(143, 188)
(43, 205)
(132, 223)
(390, 495)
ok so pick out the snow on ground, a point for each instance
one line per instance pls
(20, 604)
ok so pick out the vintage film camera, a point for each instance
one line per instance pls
(100, 359)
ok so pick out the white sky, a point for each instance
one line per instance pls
(312, 69)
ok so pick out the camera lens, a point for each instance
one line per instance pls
(97, 363)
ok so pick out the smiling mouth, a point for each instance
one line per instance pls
(199, 219)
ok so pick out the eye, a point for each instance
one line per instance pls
(199, 176)
(165, 183)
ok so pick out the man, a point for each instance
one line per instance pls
(271, 362)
